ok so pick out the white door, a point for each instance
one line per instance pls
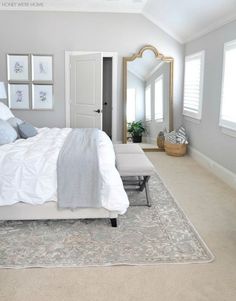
(86, 91)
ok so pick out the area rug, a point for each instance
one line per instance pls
(145, 236)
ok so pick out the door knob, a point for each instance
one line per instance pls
(97, 111)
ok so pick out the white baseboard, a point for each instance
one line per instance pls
(218, 170)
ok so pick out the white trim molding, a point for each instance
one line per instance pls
(197, 35)
(114, 57)
(213, 27)
(218, 170)
(228, 132)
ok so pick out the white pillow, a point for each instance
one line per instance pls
(7, 133)
(5, 112)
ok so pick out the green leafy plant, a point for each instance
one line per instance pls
(136, 128)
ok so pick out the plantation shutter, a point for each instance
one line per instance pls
(148, 112)
(193, 85)
(159, 99)
(228, 99)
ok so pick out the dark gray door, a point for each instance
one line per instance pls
(107, 96)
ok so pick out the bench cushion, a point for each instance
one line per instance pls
(128, 149)
(134, 165)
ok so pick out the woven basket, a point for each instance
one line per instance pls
(176, 150)
(161, 142)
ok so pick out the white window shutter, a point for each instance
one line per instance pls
(228, 94)
(159, 99)
(148, 111)
(131, 105)
(193, 85)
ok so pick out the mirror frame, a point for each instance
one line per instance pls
(161, 57)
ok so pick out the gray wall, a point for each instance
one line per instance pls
(55, 32)
(207, 136)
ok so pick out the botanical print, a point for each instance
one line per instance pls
(18, 96)
(18, 67)
(42, 97)
(42, 67)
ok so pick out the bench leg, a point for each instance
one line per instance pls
(147, 191)
(142, 183)
(114, 222)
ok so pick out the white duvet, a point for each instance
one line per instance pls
(28, 170)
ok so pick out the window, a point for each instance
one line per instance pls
(131, 104)
(228, 94)
(193, 85)
(148, 115)
(159, 99)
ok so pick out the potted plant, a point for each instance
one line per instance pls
(136, 129)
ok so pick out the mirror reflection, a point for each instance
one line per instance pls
(147, 99)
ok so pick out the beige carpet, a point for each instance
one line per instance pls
(211, 207)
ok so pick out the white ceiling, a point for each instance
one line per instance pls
(184, 19)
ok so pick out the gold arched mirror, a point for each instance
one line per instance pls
(148, 96)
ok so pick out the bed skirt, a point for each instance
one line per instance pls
(49, 210)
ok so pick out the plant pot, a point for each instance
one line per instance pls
(137, 139)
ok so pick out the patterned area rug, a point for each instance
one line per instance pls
(145, 236)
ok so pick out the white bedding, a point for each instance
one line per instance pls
(28, 170)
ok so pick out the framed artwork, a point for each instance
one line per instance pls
(18, 96)
(42, 68)
(42, 97)
(18, 67)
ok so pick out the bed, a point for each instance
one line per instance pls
(28, 179)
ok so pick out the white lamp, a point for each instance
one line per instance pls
(3, 94)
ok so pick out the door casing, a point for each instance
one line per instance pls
(113, 55)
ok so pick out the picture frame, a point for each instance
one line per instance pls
(19, 96)
(42, 97)
(18, 67)
(42, 68)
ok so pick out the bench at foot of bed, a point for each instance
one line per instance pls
(134, 167)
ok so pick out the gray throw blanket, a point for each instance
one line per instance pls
(78, 177)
